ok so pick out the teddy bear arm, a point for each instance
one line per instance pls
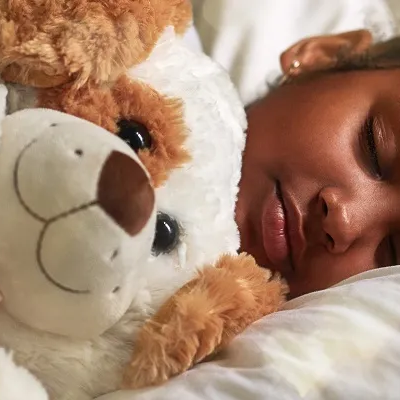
(258, 293)
(202, 317)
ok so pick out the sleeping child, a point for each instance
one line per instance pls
(320, 189)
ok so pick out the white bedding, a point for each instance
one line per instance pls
(247, 37)
(342, 343)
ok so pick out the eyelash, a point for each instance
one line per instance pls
(369, 134)
(371, 147)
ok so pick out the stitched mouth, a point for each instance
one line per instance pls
(43, 269)
(46, 225)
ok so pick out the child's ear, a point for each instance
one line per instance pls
(321, 52)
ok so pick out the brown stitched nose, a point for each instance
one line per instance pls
(125, 193)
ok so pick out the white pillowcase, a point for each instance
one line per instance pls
(341, 343)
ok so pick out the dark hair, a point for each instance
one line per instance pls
(383, 55)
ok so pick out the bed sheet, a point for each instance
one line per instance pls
(341, 343)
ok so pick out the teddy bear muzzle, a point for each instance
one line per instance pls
(88, 209)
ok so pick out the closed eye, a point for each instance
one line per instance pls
(370, 147)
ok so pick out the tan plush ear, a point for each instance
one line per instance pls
(202, 317)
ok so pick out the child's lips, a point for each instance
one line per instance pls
(281, 226)
(276, 244)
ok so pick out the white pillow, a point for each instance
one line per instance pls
(341, 343)
(247, 37)
(394, 5)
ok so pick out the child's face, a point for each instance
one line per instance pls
(330, 147)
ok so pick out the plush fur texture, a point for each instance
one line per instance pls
(44, 46)
(203, 316)
(197, 125)
(79, 51)
(129, 99)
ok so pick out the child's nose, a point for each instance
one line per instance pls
(339, 223)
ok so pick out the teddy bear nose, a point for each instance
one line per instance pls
(125, 192)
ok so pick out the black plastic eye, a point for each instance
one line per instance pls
(135, 134)
(167, 234)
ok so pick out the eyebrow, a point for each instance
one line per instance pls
(393, 254)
